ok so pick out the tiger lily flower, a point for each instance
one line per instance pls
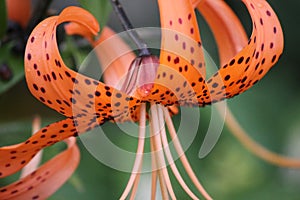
(179, 79)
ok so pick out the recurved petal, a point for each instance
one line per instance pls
(15, 157)
(57, 86)
(47, 179)
(251, 64)
(226, 27)
(73, 28)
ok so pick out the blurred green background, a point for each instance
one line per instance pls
(269, 112)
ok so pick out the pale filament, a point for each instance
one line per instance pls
(158, 149)
(169, 155)
(156, 173)
(182, 156)
(158, 116)
(139, 152)
(253, 146)
(36, 160)
(135, 185)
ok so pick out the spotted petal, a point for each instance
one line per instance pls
(43, 182)
(181, 58)
(86, 102)
(255, 59)
(62, 89)
(15, 157)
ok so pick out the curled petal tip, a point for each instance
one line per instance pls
(80, 16)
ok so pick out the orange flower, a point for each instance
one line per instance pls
(19, 11)
(180, 79)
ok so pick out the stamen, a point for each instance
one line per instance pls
(154, 172)
(169, 155)
(159, 150)
(135, 185)
(162, 184)
(254, 147)
(183, 158)
(139, 152)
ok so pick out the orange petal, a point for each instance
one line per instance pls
(226, 27)
(64, 90)
(254, 60)
(73, 28)
(15, 157)
(43, 182)
(181, 55)
(19, 11)
(195, 3)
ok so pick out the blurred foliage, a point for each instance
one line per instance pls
(269, 112)
(3, 18)
(14, 64)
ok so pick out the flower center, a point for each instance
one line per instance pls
(160, 153)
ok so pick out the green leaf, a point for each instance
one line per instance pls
(3, 18)
(99, 8)
(15, 63)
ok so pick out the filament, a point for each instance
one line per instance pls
(254, 147)
(154, 167)
(183, 158)
(139, 152)
(170, 158)
(159, 150)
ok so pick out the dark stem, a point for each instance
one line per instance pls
(38, 13)
(143, 49)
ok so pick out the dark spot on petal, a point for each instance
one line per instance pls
(227, 77)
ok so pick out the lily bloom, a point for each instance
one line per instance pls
(177, 78)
